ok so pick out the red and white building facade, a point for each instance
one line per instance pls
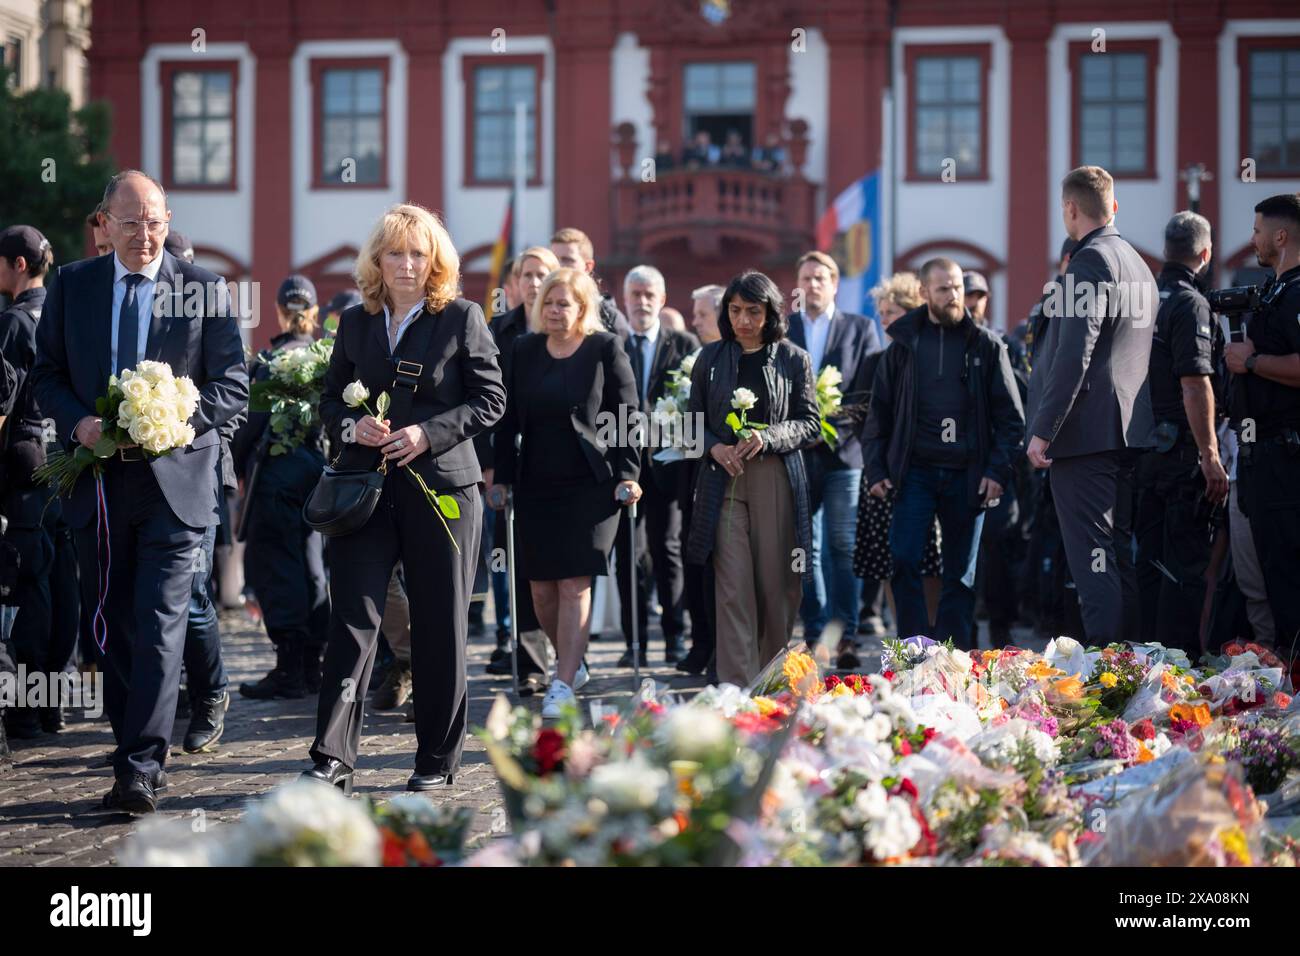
(282, 130)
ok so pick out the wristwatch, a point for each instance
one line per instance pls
(1250, 361)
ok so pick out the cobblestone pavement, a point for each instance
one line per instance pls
(50, 811)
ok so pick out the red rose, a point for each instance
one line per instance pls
(887, 675)
(908, 788)
(930, 733)
(904, 747)
(548, 750)
(1144, 730)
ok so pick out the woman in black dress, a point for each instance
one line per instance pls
(431, 351)
(569, 482)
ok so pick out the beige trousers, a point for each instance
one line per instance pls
(758, 586)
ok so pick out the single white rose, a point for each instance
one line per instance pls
(142, 431)
(688, 363)
(158, 411)
(153, 372)
(830, 376)
(355, 394)
(743, 399)
(126, 414)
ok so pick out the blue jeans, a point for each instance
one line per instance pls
(833, 592)
(928, 490)
(205, 675)
(500, 583)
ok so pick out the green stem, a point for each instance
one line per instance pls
(432, 497)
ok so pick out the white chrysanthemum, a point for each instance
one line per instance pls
(288, 816)
(694, 733)
(894, 834)
(628, 785)
(743, 399)
(871, 802)
(355, 394)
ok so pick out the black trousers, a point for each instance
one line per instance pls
(1000, 559)
(31, 633)
(1094, 505)
(148, 556)
(1174, 541)
(404, 527)
(659, 560)
(1268, 491)
(284, 560)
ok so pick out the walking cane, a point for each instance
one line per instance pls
(636, 630)
(510, 577)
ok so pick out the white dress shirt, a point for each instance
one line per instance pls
(817, 331)
(647, 355)
(388, 325)
(143, 304)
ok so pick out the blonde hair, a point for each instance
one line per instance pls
(402, 224)
(298, 321)
(902, 288)
(583, 288)
(573, 234)
(541, 253)
(821, 259)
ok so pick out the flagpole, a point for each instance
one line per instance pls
(521, 158)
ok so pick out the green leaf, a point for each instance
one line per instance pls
(105, 447)
(448, 506)
(381, 405)
(757, 426)
(733, 420)
(101, 406)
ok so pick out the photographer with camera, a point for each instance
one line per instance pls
(1181, 482)
(1266, 366)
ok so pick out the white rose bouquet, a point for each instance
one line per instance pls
(292, 392)
(829, 400)
(148, 407)
(670, 411)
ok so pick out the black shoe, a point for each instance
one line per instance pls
(311, 664)
(693, 663)
(847, 659)
(673, 653)
(333, 772)
(626, 659)
(23, 723)
(396, 689)
(502, 650)
(207, 723)
(160, 781)
(52, 719)
(430, 781)
(286, 684)
(132, 794)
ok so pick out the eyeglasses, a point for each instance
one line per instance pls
(155, 226)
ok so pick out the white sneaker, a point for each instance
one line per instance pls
(580, 679)
(559, 695)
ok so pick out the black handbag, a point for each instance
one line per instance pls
(345, 498)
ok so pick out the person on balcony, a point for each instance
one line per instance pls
(701, 151)
(770, 157)
(734, 151)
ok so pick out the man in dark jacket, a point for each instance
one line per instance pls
(839, 340)
(943, 430)
(574, 250)
(1090, 402)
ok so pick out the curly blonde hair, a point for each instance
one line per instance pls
(583, 288)
(402, 225)
(902, 288)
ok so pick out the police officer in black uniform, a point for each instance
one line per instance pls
(1266, 370)
(284, 558)
(1181, 483)
(41, 643)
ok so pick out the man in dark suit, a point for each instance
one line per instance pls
(842, 340)
(139, 531)
(654, 350)
(1090, 402)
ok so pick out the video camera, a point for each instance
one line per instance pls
(1243, 298)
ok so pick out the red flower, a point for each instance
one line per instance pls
(887, 675)
(904, 747)
(832, 682)
(930, 733)
(1144, 730)
(1281, 701)
(908, 788)
(548, 750)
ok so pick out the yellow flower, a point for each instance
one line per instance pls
(766, 705)
(800, 672)
(1234, 842)
(1168, 681)
(842, 690)
(1108, 679)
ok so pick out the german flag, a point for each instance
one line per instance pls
(500, 252)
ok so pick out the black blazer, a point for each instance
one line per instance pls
(671, 347)
(599, 381)
(1088, 391)
(851, 339)
(74, 350)
(459, 395)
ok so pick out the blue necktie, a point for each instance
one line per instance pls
(640, 366)
(128, 326)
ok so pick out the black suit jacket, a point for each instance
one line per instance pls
(851, 339)
(1088, 391)
(459, 395)
(74, 352)
(599, 381)
(671, 347)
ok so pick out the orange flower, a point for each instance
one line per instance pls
(1039, 670)
(1144, 755)
(800, 672)
(1069, 686)
(418, 847)
(1197, 713)
(1168, 681)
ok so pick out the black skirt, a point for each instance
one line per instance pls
(567, 533)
